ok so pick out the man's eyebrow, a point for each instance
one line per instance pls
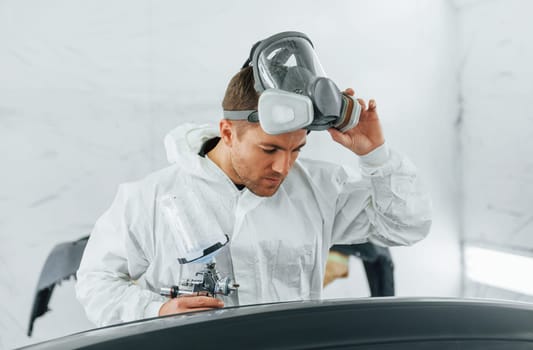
(266, 144)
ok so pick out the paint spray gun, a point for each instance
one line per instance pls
(206, 281)
(198, 243)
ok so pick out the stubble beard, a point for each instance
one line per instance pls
(251, 185)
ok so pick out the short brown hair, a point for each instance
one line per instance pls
(240, 93)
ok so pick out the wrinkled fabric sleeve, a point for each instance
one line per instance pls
(388, 206)
(115, 256)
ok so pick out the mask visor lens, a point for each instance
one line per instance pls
(288, 64)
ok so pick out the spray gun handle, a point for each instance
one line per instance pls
(171, 292)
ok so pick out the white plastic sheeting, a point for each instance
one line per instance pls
(496, 89)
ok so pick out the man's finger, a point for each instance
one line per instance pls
(372, 104)
(338, 136)
(362, 103)
(349, 91)
(201, 302)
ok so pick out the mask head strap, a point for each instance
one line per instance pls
(249, 59)
(250, 115)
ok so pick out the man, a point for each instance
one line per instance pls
(281, 213)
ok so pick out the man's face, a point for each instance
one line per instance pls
(261, 161)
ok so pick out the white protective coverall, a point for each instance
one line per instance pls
(278, 245)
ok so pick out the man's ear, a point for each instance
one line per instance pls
(226, 131)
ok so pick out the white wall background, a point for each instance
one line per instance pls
(496, 89)
(88, 89)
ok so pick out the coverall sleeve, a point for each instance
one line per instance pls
(115, 257)
(388, 206)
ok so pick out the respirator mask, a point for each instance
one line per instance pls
(294, 90)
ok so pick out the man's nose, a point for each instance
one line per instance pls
(282, 163)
